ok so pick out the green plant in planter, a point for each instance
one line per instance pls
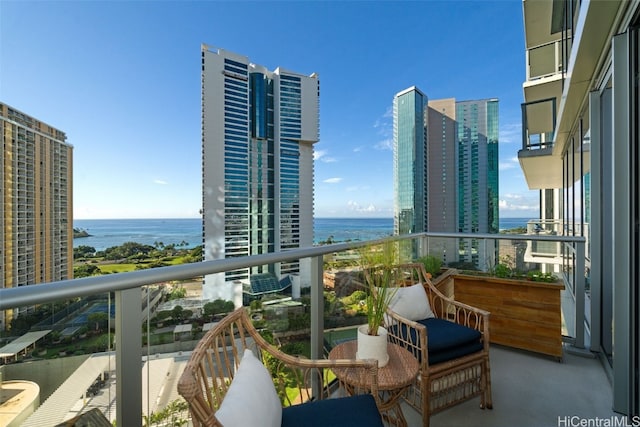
(506, 270)
(379, 261)
(538, 276)
(502, 271)
(432, 264)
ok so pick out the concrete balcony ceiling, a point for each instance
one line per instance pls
(543, 88)
(541, 169)
(537, 23)
(545, 170)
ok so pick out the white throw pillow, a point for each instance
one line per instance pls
(411, 302)
(252, 399)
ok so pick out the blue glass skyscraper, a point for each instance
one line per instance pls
(410, 161)
(446, 170)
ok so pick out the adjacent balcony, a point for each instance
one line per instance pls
(130, 370)
(544, 72)
(540, 167)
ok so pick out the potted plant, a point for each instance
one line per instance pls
(378, 261)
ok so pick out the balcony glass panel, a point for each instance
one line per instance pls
(543, 61)
(296, 310)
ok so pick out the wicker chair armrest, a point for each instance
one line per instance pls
(408, 334)
(463, 314)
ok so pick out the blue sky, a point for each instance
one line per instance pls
(122, 79)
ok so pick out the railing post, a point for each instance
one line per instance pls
(317, 317)
(425, 245)
(580, 293)
(129, 357)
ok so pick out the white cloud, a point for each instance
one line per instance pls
(514, 196)
(355, 206)
(358, 188)
(510, 133)
(512, 163)
(383, 122)
(519, 204)
(357, 149)
(386, 144)
(160, 182)
(321, 155)
(509, 206)
(332, 180)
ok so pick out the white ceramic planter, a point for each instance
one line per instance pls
(373, 346)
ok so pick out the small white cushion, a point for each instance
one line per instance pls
(411, 302)
(252, 399)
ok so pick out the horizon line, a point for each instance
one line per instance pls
(315, 217)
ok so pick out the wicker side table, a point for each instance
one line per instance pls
(393, 379)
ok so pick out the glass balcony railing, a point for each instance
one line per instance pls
(118, 342)
(538, 124)
(544, 61)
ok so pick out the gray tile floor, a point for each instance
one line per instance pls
(533, 390)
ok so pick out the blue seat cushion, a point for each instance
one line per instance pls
(447, 340)
(353, 411)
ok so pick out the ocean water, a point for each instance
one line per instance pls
(106, 233)
(510, 223)
(349, 229)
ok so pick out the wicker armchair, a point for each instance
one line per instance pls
(213, 370)
(452, 346)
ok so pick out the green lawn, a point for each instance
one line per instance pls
(112, 268)
(116, 268)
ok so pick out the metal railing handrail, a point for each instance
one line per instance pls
(554, 238)
(72, 288)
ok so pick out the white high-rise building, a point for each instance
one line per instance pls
(258, 131)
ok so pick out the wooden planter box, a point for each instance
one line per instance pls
(524, 314)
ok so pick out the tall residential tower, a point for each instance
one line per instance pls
(477, 135)
(446, 170)
(37, 210)
(410, 161)
(477, 141)
(258, 131)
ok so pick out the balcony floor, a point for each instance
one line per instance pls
(528, 390)
(533, 390)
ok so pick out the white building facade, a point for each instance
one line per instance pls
(258, 131)
(581, 133)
